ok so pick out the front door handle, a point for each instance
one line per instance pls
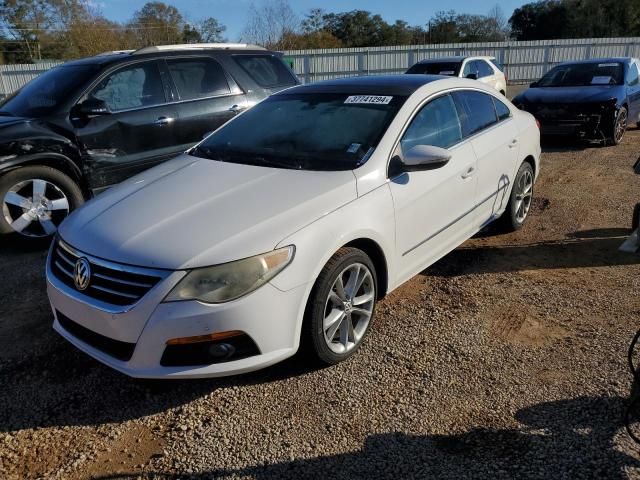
(237, 108)
(469, 173)
(162, 121)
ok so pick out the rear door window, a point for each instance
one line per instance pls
(436, 124)
(484, 69)
(476, 110)
(502, 110)
(267, 71)
(198, 77)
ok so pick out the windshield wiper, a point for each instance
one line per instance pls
(244, 158)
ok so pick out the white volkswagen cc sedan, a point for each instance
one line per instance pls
(285, 226)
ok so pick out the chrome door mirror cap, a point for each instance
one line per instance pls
(425, 157)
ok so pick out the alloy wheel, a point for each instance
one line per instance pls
(35, 208)
(524, 194)
(621, 126)
(348, 308)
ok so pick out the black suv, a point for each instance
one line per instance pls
(91, 123)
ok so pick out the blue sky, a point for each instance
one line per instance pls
(233, 13)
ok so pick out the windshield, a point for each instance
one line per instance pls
(48, 91)
(451, 69)
(584, 74)
(313, 131)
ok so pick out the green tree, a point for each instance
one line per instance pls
(157, 23)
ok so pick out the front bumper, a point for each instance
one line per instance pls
(584, 121)
(269, 316)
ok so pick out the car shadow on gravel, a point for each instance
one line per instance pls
(574, 438)
(62, 386)
(578, 252)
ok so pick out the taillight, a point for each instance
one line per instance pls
(538, 124)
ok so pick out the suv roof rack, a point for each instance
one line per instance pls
(115, 52)
(197, 46)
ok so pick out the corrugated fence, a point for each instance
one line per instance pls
(523, 61)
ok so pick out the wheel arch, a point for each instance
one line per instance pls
(53, 160)
(531, 161)
(377, 256)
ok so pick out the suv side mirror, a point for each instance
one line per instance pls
(533, 85)
(425, 157)
(472, 76)
(93, 107)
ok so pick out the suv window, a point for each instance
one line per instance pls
(632, 76)
(198, 77)
(484, 69)
(266, 70)
(134, 86)
(436, 124)
(476, 109)
(469, 67)
(501, 109)
(497, 64)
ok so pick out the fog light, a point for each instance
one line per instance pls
(220, 351)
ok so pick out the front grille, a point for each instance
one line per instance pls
(110, 283)
(117, 349)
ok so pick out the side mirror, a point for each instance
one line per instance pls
(472, 76)
(425, 157)
(93, 107)
(533, 85)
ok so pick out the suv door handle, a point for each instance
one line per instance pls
(514, 143)
(469, 173)
(237, 108)
(162, 121)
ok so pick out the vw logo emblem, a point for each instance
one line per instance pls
(82, 274)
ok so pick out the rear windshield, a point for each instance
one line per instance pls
(451, 69)
(267, 71)
(312, 131)
(584, 74)
(47, 92)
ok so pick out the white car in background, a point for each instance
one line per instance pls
(484, 69)
(285, 226)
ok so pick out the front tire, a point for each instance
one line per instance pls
(35, 200)
(619, 127)
(635, 221)
(520, 200)
(340, 307)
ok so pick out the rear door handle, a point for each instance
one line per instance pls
(514, 143)
(468, 173)
(162, 121)
(237, 108)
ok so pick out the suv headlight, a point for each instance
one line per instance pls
(229, 281)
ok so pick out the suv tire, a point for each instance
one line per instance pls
(34, 200)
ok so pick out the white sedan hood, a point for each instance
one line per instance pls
(192, 212)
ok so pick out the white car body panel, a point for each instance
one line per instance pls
(194, 212)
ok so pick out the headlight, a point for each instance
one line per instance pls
(226, 282)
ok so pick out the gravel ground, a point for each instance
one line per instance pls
(505, 359)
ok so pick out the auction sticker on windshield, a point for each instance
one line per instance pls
(369, 99)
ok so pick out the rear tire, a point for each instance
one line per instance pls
(520, 201)
(340, 307)
(635, 221)
(34, 200)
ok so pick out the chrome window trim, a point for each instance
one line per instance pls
(434, 97)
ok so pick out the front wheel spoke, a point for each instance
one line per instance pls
(48, 226)
(22, 222)
(519, 205)
(361, 311)
(39, 187)
(332, 323)
(344, 331)
(335, 298)
(59, 204)
(16, 199)
(362, 299)
(340, 289)
(351, 286)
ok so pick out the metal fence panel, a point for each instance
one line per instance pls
(523, 61)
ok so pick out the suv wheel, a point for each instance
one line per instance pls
(340, 307)
(35, 200)
(520, 200)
